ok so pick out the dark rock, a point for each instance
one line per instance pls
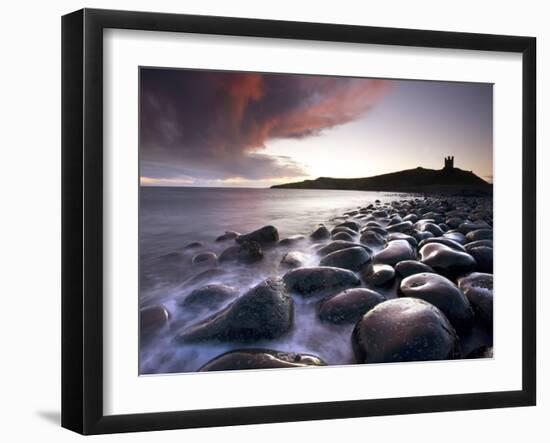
(406, 268)
(246, 252)
(483, 256)
(306, 281)
(263, 312)
(265, 236)
(442, 293)
(292, 240)
(260, 359)
(478, 243)
(422, 235)
(354, 259)
(152, 318)
(343, 229)
(403, 329)
(204, 276)
(478, 288)
(455, 236)
(228, 235)
(472, 226)
(338, 245)
(348, 306)
(350, 224)
(204, 258)
(378, 275)
(208, 296)
(454, 222)
(481, 352)
(342, 236)
(433, 228)
(372, 239)
(394, 252)
(400, 236)
(321, 233)
(293, 259)
(404, 227)
(479, 234)
(447, 261)
(413, 218)
(443, 241)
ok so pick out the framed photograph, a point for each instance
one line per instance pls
(269, 221)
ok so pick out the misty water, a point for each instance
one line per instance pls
(171, 218)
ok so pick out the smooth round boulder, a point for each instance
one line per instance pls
(472, 226)
(379, 230)
(240, 359)
(204, 258)
(263, 312)
(475, 244)
(353, 225)
(208, 296)
(193, 245)
(443, 241)
(292, 240)
(246, 252)
(400, 236)
(354, 259)
(378, 275)
(228, 235)
(455, 236)
(478, 288)
(483, 255)
(372, 239)
(403, 329)
(348, 306)
(293, 259)
(152, 318)
(406, 268)
(447, 261)
(479, 234)
(312, 280)
(321, 233)
(442, 293)
(265, 236)
(433, 228)
(344, 236)
(338, 245)
(404, 227)
(394, 252)
(343, 229)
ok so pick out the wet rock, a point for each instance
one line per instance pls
(205, 258)
(455, 236)
(378, 275)
(372, 239)
(479, 234)
(193, 245)
(152, 318)
(406, 268)
(483, 255)
(481, 352)
(442, 293)
(443, 241)
(308, 281)
(260, 359)
(404, 227)
(394, 252)
(403, 329)
(472, 226)
(478, 288)
(342, 236)
(203, 276)
(449, 262)
(338, 245)
(263, 312)
(293, 259)
(377, 229)
(354, 259)
(265, 236)
(433, 228)
(321, 233)
(348, 306)
(454, 222)
(422, 235)
(413, 218)
(343, 229)
(351, 225)
(228, 235)
(478, 243)
(246, 252)
(208, 296)
(292, 240)
(400, 236)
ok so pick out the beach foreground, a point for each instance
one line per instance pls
(403, 279)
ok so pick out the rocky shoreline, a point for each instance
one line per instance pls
(407, 280)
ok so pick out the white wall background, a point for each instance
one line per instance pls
(30, 218)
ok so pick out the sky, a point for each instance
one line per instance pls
(241, 129)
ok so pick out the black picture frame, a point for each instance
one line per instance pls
(82, 218)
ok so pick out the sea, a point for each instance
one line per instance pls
(173, 217)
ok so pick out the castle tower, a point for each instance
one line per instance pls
(449, 162)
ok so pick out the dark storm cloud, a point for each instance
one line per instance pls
(213, 125)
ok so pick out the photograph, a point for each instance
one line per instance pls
(291, 220)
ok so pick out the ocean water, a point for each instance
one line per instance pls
(171, 218)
